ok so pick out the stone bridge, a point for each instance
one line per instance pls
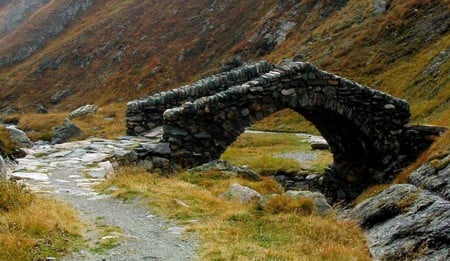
(368, 131)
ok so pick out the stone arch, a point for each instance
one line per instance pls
(367, 130)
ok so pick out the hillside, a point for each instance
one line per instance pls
(114, 51)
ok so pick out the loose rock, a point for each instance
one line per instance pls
(228, 168)
(19, 137)
(66, 132)
(241, 193)
(84, 110)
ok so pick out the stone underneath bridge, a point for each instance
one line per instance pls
(368, 131)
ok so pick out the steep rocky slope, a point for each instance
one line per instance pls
(120, 50)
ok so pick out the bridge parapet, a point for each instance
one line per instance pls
(145, 114)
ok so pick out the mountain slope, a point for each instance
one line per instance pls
(120, 50)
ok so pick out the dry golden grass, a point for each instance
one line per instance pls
(7, 146)
(108, 122)
(40, 126)
(36, 227)
(232, 231)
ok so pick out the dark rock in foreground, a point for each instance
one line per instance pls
(434, 176)
(406, 223)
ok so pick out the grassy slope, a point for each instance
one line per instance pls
(388, 52)
(149, 36)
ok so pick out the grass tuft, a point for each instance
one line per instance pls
(34, 228)
(284, 204)
(14, 196)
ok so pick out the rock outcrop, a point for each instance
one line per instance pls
(46, 27)
(405, 222)
(434, 176)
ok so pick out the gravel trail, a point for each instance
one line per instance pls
(68, 171)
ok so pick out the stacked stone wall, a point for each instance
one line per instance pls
(145, 114)
(367, 130)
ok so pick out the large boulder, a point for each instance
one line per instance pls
(65, 132)
(405, 222)
(19, 137)
(84, 110)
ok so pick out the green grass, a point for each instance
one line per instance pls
(285, 121)
(261, 153)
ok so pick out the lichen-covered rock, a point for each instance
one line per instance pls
(19, 137)
(406, 223)
(241, 193)
(434, 176)
(65, 132)
(84, 110)
(228, 168)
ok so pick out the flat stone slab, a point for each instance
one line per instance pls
(30, 175)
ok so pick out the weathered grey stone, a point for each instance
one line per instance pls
(405, 222)
(60, 95)
(65, 132)
(320, 202)
(154, 133)
(157, 148)
(380, 6)
(434, 176)
(241, 193)
(81, 111)
(228, 168)
(3, 169)
(318, 143)
(19, 137)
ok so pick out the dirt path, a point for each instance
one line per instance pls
(68, 171)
